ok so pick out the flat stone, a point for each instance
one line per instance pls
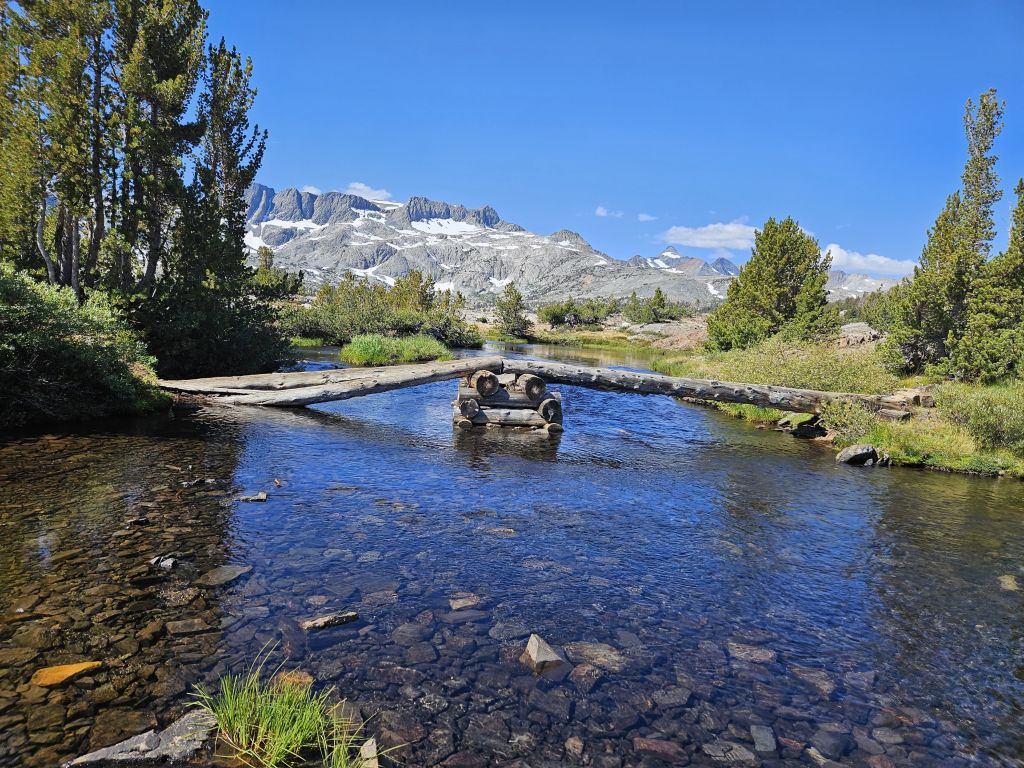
(831, 744)
(585, 677)
(764, 738)
(177, 744)
(368, 754)
(886, 736)
(668, 751)
(1008, 583)
(753, 653)
(293, 677)
(259, 496)
(574, 747)
(187, 627)
(672, 697)
(730, 753)
(49, 677)
(222, 575)
(818, 678)
(601, 655)
(539, 656)
(461, 600)
(330, 620)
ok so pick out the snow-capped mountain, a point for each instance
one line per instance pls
(674, 262)
(842, 285)
(469, 250)
(474, 251)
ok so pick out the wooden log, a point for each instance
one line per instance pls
(504, 417)
(503, 398)
(550, 408)
(485, 382)
(533, 386)
(782, 398)
(230, 385)
(385, 381)
(468, 407)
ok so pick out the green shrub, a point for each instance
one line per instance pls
(993, 415)
(577, 314)
(375, 349)
(60, 361)
(850, 422)
(656, 309)
(357, 307)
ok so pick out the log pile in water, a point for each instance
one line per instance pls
(523, 401)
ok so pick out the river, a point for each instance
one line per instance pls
(725, 595)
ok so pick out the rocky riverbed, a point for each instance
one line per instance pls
(709, 594)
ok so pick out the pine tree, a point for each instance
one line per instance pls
(511, 313)
(932, 313)
(782, 286)
(992, 346)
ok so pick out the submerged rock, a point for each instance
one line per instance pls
(601, 655)
(539, 656)
(754, 653)
(49, 677)
(1008, 583)
(179, 743)
(261, 496)
(222, 575)
(660, 749)
(330, 620)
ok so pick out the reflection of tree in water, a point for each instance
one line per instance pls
(949, 638)
(81, 516)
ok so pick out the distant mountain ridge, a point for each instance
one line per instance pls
(472, 250)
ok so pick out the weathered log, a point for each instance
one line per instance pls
(550, 408)
(782, 398)
(468, 407)
(504, 417)
(385, 381)
(533, 386)
(230, 385)
(485, 382)
(503, 398)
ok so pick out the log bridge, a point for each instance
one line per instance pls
(498, 390)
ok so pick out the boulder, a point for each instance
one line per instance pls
(858, 455)
(539, 656)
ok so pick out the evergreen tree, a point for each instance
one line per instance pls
(511, 313)
(782, 286)
(992, 346)
(932, 312)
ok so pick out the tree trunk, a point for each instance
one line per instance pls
(504, 417)
(51, 272)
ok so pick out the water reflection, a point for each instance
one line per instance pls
(706, 580)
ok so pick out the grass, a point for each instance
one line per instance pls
(374, 349)
(278, 724)
(307, 341)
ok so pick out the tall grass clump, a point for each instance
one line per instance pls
(993, 415)
(278, 723)
(374, 349)
(804, 365)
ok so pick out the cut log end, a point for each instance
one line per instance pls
(550, 409)
(533, 386)
(469, 408)
(484, 382)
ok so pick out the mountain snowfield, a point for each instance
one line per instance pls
(469, 250)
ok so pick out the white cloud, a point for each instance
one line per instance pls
(365, 190)
(646, 217)
(310, 189)
(735, 236)
(852, 261)
(602, 211)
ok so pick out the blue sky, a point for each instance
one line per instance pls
(645, 123)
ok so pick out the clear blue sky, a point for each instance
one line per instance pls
(667, 117)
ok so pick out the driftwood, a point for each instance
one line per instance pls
(503, 417)
(782, 398)
(371, 382)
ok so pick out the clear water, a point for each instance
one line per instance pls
(739, 576)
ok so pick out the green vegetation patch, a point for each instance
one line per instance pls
(375, 349)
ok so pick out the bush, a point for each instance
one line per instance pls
(60, 361)
(850, 422)
(374, 349)
(358, 307)
(511, 319)
(656, 309)
(993, 415)
(573, 314)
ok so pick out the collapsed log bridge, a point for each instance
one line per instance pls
(307, 388)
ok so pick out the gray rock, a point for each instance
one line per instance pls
(329, 620)
(187, 627)
(730, 753)
(857, 455)
(831, 744)
(539, 656)
(178, 744)
(222, 575)
(764, 738)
